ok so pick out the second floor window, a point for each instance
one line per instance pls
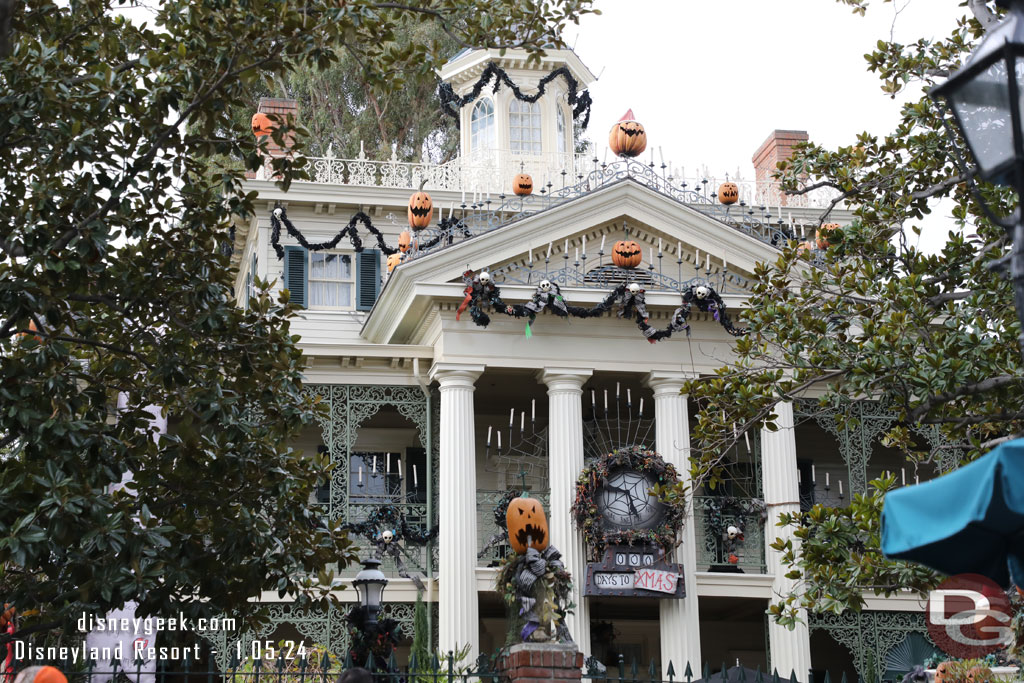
(524, 127)
(330, 280)
(482, 126)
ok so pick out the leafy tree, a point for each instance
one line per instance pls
(118, 193)
(931, 335)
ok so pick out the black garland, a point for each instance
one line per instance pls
(448, 228)
(388, 518)
(481, 292)
(579, 101)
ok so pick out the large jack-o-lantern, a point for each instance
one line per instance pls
(522, 184)
(527, 525)
(420, 209)
(626, 254)
(404, 241)
(627, 138)
(728, 193)
(261, 124)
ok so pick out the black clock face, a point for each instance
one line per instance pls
(626, 503)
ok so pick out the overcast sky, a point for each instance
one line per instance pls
(710, 79)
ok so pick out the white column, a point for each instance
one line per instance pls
(565, 460)
(790, 650)
(680, 619)
(458, 609)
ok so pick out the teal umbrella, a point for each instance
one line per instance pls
(968, 521)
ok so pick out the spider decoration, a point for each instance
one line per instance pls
(389, 532)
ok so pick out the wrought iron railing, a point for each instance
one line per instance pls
(717, 553)
(486, 502)
(415, 557)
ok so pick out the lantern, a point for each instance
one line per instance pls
(627, 137)
(728, 193)
(369, 584)
(824, 233)
(522, 184)
(420, 209)
(404, 241)
(527, 524)
(261, 124)
(626, 254)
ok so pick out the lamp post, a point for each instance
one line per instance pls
(985, 98)
(369, 584)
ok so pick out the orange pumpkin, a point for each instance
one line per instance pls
(522, 184)
(942, 671)
(626, 254)
(728, 193)
(404, 241)
(394, 260)
(420, 209)
(627, 138)
(824, 233)
(805, 248)
(527, 525)
(980, 674)
(261, 124)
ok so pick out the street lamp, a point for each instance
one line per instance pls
(985, 98)
(369, 584)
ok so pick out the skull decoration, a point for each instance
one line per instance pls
(633, 288)
(544, 286)
(732, 532)
(485, 277)
(701, 292)
(627, 138)
(387, 535)
(278, 212)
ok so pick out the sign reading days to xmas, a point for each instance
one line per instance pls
(626, 571)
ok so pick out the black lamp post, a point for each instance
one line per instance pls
(369, 584)
(985, 98)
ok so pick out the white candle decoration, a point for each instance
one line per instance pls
(577, 254)
(533, 410)
(489, 428)
(415, 483)
(725, 264)
(659, 245)
(374, 468)
(360, 475)
(511, 417)
(629, 396)
(679, 250)
(798, 478)
(840, 488)
(593, 400)
(499, 439)
(650, 255)
(916, 479)
(618, 391)
(746, 437)
(566, 251)
(814, 474)
(522, 420)
(696, 257)
(641, 407)
(549, 251)
(707, 265)
(605, 401)
(827, 483)
(463, 196)
(399, 462)
(584, 247)
(903, 475)
(602, 242)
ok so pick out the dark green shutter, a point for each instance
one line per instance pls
(367, 278)
(295, 277)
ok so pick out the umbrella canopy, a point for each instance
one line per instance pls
(968, 521)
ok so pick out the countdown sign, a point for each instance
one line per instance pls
(632, 571)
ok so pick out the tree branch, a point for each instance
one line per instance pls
(966, 390)
(941, 186)
(942, 298)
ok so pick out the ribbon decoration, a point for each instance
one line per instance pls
(534, 566)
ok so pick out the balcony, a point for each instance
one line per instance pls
(713, 551)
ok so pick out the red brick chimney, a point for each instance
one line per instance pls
(778, 147)
(286, 109)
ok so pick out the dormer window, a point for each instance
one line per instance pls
(524, 127)
(482, 125)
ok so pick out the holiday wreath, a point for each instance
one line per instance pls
(589, 518)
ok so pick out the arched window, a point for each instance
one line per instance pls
(482, 125)
(524, 127)
(563, 140)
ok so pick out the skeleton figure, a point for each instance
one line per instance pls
(633, 302)
(547, 295)
(479, 291)
(389, 532)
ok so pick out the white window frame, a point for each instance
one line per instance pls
(561, 129)
(517, 110)
(312, 281)
(482, 129)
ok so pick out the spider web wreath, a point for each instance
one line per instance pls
(579, 101)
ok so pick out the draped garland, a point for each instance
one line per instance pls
(384, 518)
(579, 101)
(482, 293)
(447, 226)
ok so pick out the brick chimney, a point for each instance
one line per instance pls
(778, 147)
(284, 108)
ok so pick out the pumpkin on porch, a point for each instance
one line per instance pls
(404, 241)
(420, 209)
(522, 184)
(627, 137)
(626, 254)
(527, 524)
(728, 193)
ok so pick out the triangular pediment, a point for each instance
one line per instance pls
(526, 249)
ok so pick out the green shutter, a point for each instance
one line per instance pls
(295, 277)
(367, 278)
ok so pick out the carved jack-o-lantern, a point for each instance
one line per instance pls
(942, 671)
(824, 233)
(626, 254)
(261, 124)
(420, 208)
(527, 525)
(728, 193)
(522, 184)
(394, 260)
(627, 137)
(404, 241)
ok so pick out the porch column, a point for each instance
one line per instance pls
(565, 460)
(680, 619)
(458, 608)
(790, 650)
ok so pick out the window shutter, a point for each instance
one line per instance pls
(367, 278)
(295, 277)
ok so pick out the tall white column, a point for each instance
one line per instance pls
(680, 619)
(458, 609)
(790, 650)
(565, 460)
